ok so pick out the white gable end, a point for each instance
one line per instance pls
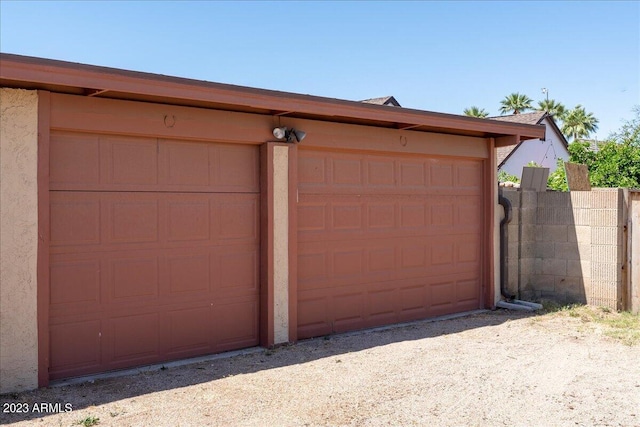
(544, 152)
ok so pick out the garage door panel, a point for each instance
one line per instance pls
(133, 220)
(442, 254)
(154, 251)
(312, 216)
(235, 321)
(413, 174)
(346, 216)
(106, 281)
(189, 273)
(313, 264)
(340, 217)
(134, 338)
(442, 214)
(469, 213)
(133, 278)
(189, 331)
(441, 174)
(185, 163)
(323, 172)
(188, 219)
(468, 250)
(354, 306)
(313, 317)
(206, 167)
(414, 215)
(413, 300)
(74, 282)
(106, 221)
(382, 304)
(75, 160)
(88, 162)
(382, 261)
(381, 172)
(383, 239)
(322, 265)
(130, 161)
(75, 347)
(237, 272)
(347, 308)
(312, 170)
(237, 168)
(414, 256)
(348, 263)
(74, 221)
(346, 172)
(467, 291)
(381, 215)
(237, 219)
(468, 175)
(441, 294)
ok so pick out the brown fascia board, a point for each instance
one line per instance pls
(67, 77)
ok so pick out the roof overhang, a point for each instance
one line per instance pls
(17, 71)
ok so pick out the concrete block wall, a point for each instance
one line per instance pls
(567, 247)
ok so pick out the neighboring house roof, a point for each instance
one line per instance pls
(385, 100)
(535, 118)
(502, 153)
(527, 118)
(594, 144)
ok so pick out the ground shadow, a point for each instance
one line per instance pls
(109, 390)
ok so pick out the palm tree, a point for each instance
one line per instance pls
(474, 111)
(515, 102)
(552, 107)
(578, 123)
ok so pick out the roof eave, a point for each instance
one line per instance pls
(89, 80)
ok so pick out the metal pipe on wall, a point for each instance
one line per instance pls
(504, 246)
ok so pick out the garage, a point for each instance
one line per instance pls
(386, 238)
(154, 250)
(149, 218)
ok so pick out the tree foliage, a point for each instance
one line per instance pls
(578, 123)
(504, 176)
(629, 133)
(575, 124)
(515, 103)
(551, 106)
(615, 164)
(558, 178)
(474, 111)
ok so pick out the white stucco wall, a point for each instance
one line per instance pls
(545, 153)
(281, 244)
(18, 239)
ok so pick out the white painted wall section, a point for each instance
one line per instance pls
(545, 153)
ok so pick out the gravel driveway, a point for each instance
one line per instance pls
(488, 369)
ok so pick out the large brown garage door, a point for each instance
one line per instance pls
(153, 253)
(386, 238)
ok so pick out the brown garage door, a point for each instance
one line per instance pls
(385, 239)
(153, 253)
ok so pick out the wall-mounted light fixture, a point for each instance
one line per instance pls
(290, 135)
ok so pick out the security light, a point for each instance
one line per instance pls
(289, 134)
(280, 132)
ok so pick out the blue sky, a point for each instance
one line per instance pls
(436, 56)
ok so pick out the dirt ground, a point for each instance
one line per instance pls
(489, 369)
